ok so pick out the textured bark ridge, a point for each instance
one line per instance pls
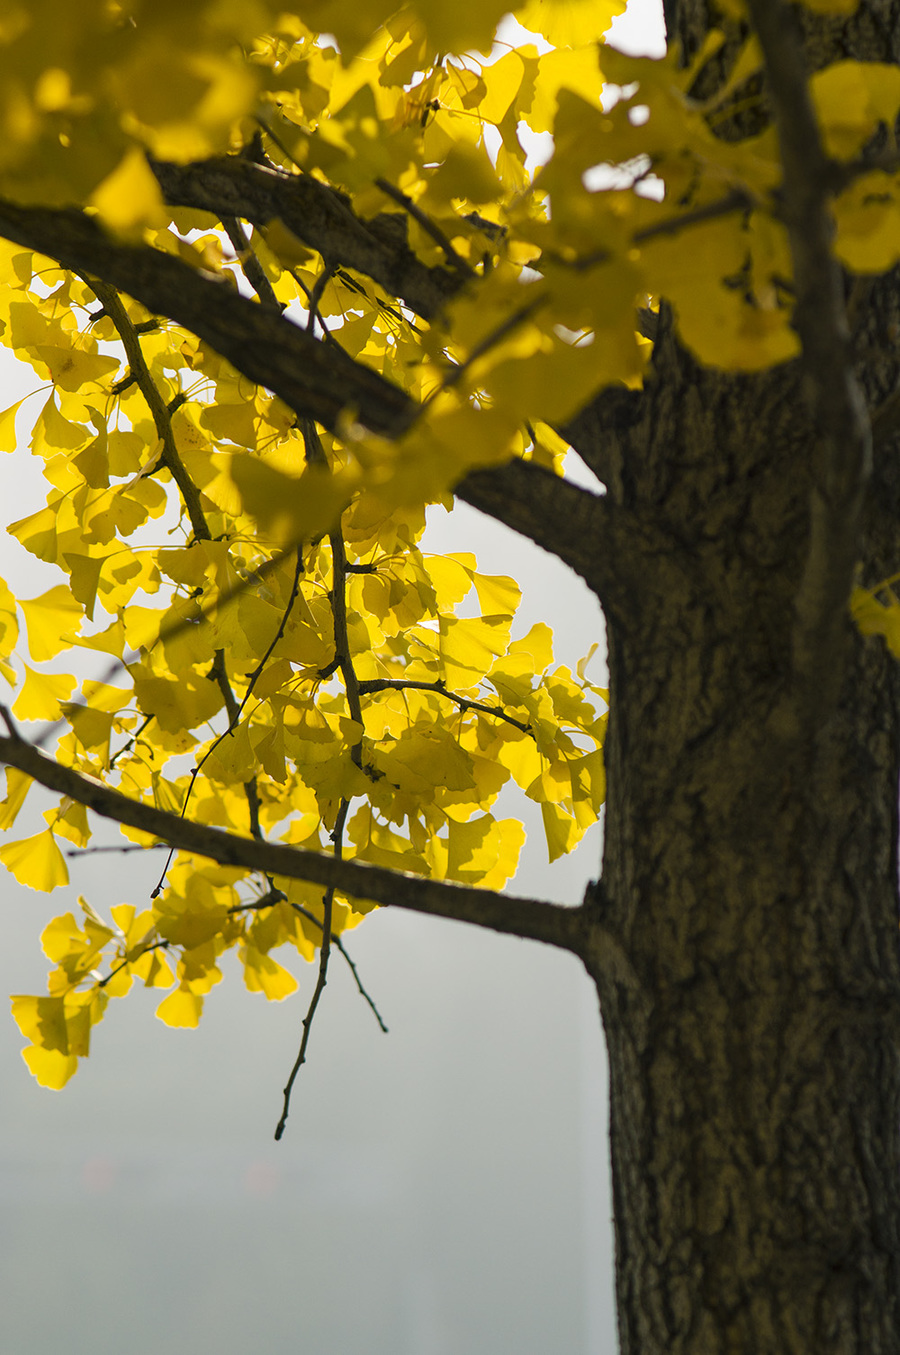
(751, 996)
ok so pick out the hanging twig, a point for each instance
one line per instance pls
(315, 455)
(276, 896)
(322, 979)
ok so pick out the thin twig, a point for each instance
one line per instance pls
(456, 374)
(314, 298)
(155, 945)
(250, 264)
(428, 226)
(315, 456)
(260, 667)
(336, 940)
(371, 686)
(235, 710)
(322, 979)
(268, 901)
(738, 200)
(78, 852)
(177, 628)
(126, 747)
(112, 304)
(10, 723)
(162, 419)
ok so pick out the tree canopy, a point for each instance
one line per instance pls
(283, 280)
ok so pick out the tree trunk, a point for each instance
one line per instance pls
(749, 974)
(751, 885)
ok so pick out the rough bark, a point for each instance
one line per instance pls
(750, 878)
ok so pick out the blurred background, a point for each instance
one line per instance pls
(440, 1190)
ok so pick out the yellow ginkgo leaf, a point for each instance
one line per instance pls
(42, 1020)
(8, 426)
(470, 644)
(867, 217)
(129, 198)
(51, 1068)
(153, 969)
(873, 617)
(262, 974)
(569, 23)
(18, 785)
(85, 576)
(52, 621)
(285, 245)
(560, 829)
(497, 594)
(461, 25)
(853, 97)
(9, 625)
(36, 862)
(42, 694)
(72, 366)
(537, 644)
(181, 1009)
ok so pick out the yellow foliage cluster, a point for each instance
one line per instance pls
(236, 620)
(285, 658)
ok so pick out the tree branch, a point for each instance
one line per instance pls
(113, 307)
(528, 918)
(315, 380)
(595, 431)
(162, 419)
(317, 214)
(562, 518)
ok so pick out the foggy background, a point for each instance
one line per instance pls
(440, 1190)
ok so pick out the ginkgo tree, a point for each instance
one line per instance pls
(286, 277)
